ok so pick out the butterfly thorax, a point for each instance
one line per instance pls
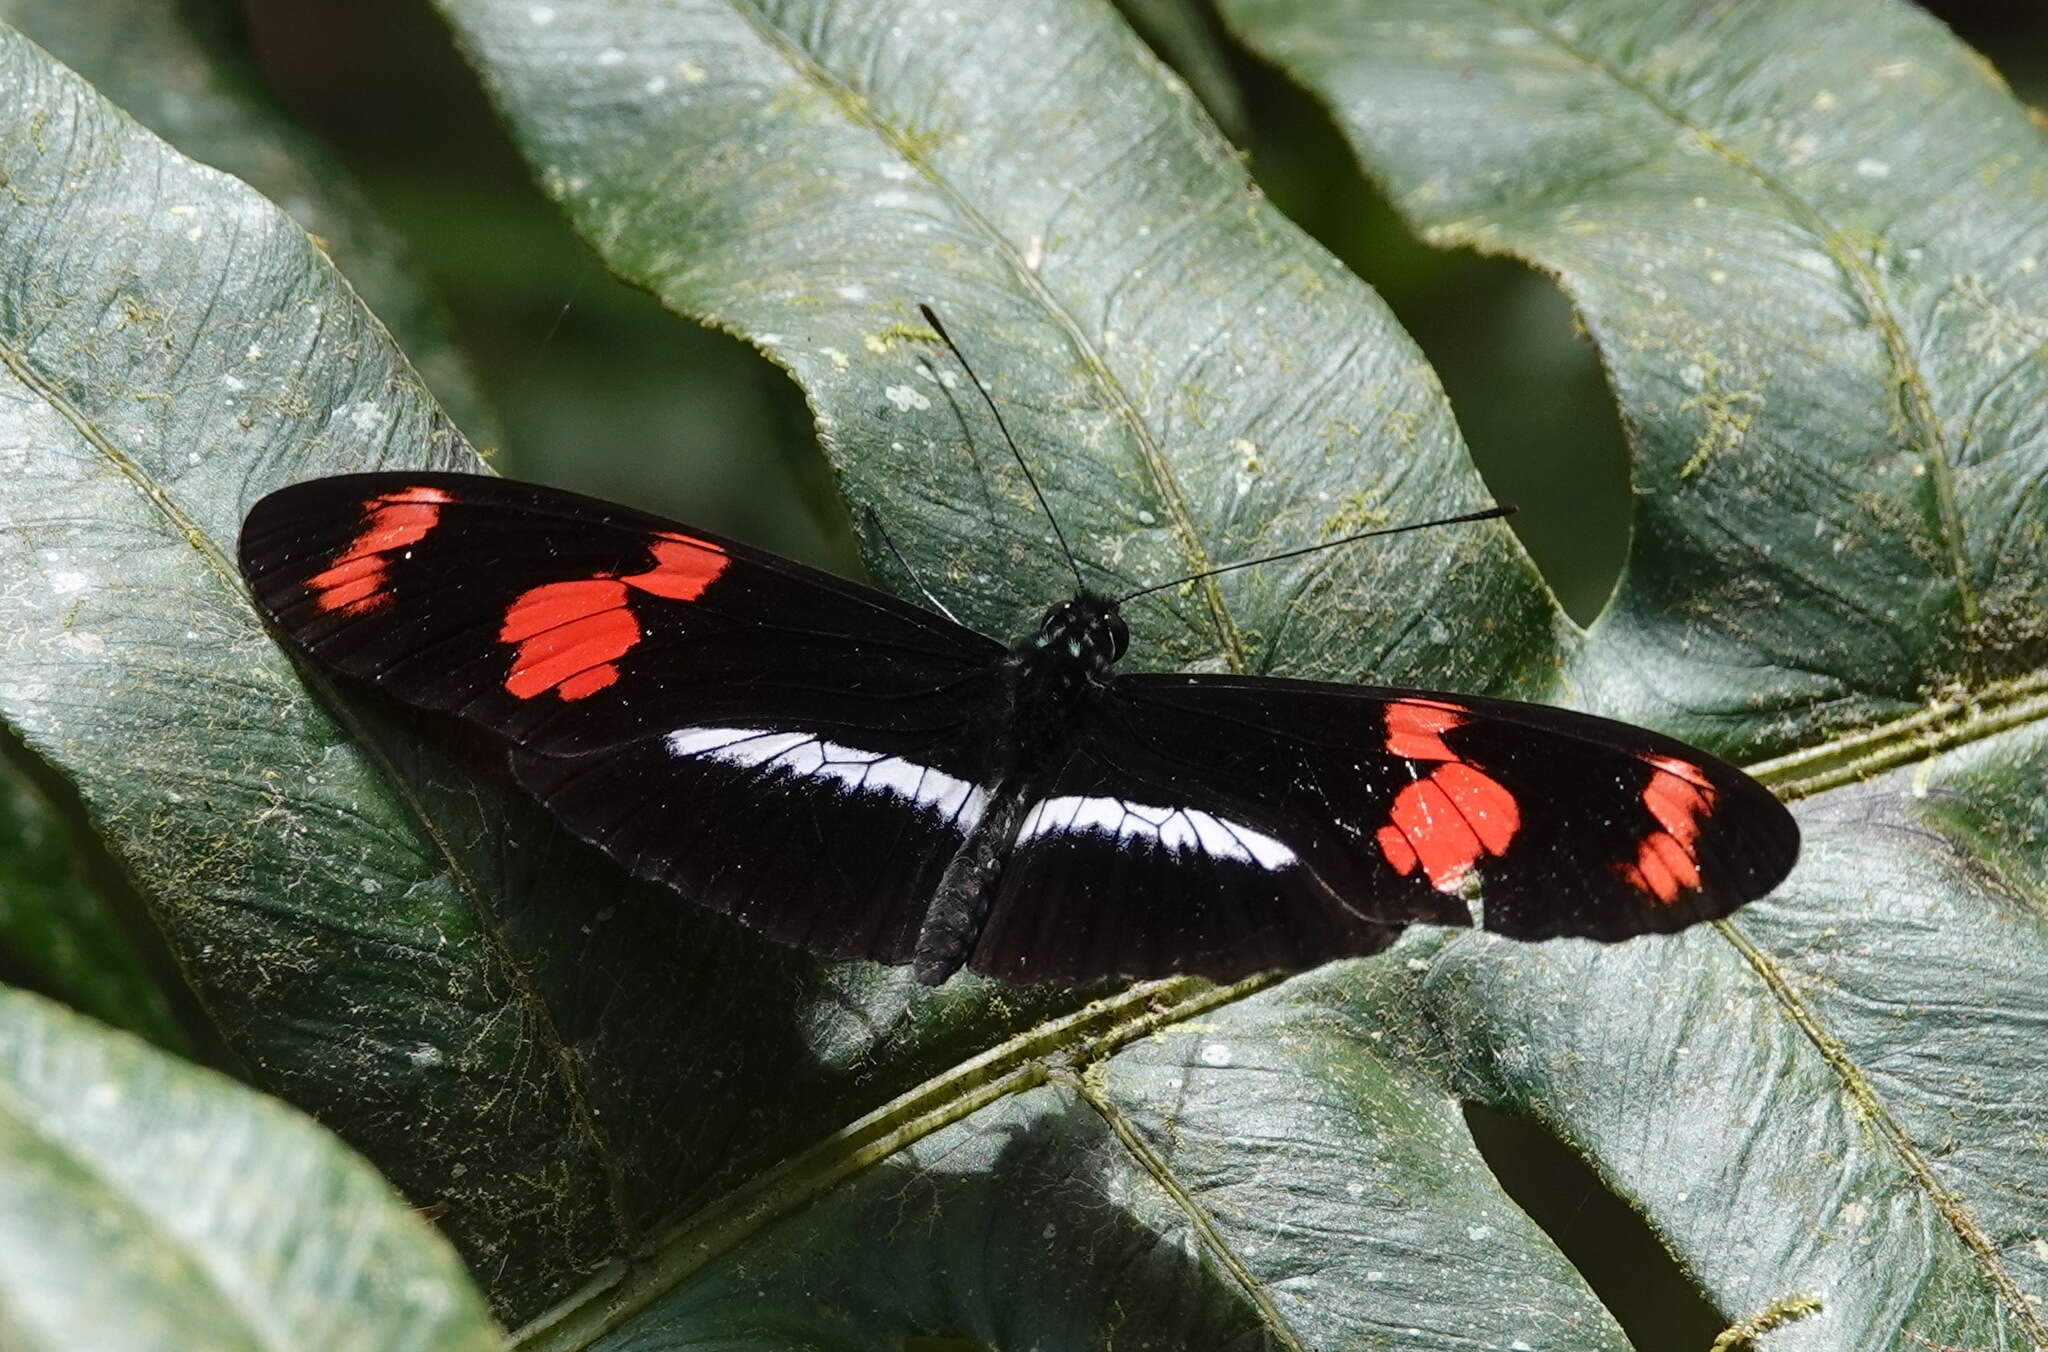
(1055, 671)
(1052, 676)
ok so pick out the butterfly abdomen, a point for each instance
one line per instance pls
(960, 905)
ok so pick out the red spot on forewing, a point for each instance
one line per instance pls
(569, 654)
(570, 635)
(1400, 854)
(1431, 833)
(1679, 797)
(683, 568)
(1445, 822)
(1416, 728)
(558, 603)
(1486, 807)
(355, 581)
(588, 682)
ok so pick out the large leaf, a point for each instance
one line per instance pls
(1812, 265)
(1194, 381)
(148, 1205)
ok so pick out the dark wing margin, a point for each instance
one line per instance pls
(799, 751)
(1219, 825)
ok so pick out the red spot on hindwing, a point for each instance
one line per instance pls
(1679, 797)
(1446, 821)
(355, 581)
(570, 635)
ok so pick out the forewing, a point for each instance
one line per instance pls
(567, 624)
(1222, 824)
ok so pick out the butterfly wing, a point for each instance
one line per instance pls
(793, 748)
(1220, 825)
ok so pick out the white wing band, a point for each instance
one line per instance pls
(1173, 828)
(806, 755)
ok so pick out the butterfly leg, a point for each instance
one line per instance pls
(875, 521)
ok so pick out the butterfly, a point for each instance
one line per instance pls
(863, 777)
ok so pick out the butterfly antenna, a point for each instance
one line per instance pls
(986, 398)
(1489, 514)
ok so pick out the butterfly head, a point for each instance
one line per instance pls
(1088, 630)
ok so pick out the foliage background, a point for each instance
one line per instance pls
(592, 384)
(600, 388)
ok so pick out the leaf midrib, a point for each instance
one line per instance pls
(1075, 1041)
(1157, 464)
(1945, 725)
(1948, 1204)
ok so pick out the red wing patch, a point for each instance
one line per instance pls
(1443, 823)
(1680, 797)
(354, 582)
(571, 634)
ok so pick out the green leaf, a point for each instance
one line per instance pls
(61, 933)
(1814, 267)
(146, 1204)
(287, 867)
(178, 70)
(1773, 1177)
(1836, 1098)
(1186, 38)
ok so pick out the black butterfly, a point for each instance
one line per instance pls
(863, 777)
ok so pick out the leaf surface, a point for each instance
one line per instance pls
(1815, 271)
(147, 1204)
